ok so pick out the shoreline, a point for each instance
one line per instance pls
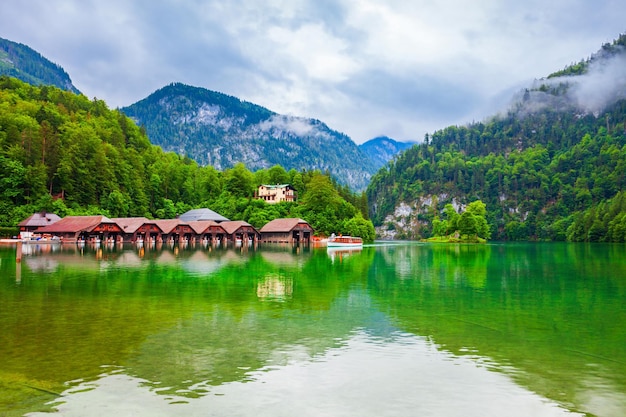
(29, 242)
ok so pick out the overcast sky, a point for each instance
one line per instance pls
(399, 68)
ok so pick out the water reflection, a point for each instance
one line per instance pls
(440, 264)
(339, 254)
(214, 327)
(552, 313)
(334, 383)
(49, 257)
(274, 287)
(195, 313)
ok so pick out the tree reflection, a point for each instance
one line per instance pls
(554, 313)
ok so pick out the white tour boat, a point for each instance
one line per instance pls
(345, 241)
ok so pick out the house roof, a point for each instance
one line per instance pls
(131, 224)
(202, 214)
(74, 224)
(276, 185)
(283, 225)
(39, 220)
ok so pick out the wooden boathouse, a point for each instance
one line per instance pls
(288, 230)
(240, 231)
(36, 221)
(84, 228)
(197, 228)
(138, 229)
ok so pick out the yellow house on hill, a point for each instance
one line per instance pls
(276, 193)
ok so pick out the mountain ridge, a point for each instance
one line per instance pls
(22, 62)
(220, 130)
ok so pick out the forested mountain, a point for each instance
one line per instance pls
(383, 149)
(63, 153)
(219, 130)
(22, 62)
(553, 167)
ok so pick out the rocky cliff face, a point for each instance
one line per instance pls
(405, 222)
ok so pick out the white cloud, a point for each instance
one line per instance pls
(296, 125)
(405, 34)
(313, 52)
(602, 85)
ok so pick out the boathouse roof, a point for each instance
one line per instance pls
(232, 227)
(285, 225)
(39, 220)
(131, 224)
(168, 225)
(201, 226)
(76, 224)
(202, 214)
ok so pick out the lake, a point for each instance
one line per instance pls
(394, 329)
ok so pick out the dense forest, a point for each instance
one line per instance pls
(551, 168)
(63, 153)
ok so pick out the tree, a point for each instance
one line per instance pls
(320, 194)
(516, 230)
(12, 180)
(452, 218)
(168, 211)
(277, 175)
(479, 210)
(439, 226)
(116, 204)
(155, 191)
(468, 226)
(239, 181)
(358, 226)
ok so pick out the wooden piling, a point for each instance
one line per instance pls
(18, 253)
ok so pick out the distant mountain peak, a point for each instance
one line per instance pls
(383, 149)
(22, 62)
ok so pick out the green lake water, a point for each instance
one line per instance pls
(395, 329)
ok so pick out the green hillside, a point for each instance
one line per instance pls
(552, 168)
(22, 62)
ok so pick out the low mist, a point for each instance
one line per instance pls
(602, 85)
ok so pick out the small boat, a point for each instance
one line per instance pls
(344, 241)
